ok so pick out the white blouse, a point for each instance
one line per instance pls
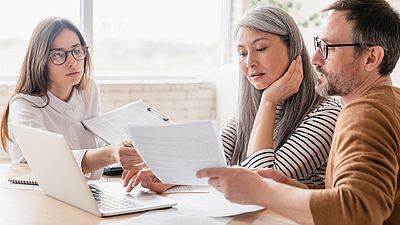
(59, 117)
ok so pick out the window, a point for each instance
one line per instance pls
(155, 39)
(18, 18)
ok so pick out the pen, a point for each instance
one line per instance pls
(150, 109)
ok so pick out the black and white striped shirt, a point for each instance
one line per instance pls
(304, 155)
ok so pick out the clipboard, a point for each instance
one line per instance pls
(112, 127)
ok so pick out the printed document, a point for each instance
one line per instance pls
(111, 127)
(176, 152)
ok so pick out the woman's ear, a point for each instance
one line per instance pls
(374, 58)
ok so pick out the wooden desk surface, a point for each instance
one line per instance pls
(34, 207)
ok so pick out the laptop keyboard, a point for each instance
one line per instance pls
(109, 202)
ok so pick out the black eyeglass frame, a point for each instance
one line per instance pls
(317, 44)
(84, 49)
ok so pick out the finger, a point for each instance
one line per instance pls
(133, 165)
(135, 181)
(213, 182)
(124, 173)
(128, 177)
(158, 187)
(144, 174)
(211, 172)
(291, 69)
(266, 172)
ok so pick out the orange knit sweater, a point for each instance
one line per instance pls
(362, 177)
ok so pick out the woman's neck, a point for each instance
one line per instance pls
(63, 93)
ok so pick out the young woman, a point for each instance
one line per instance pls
(280, 121)
(54, 92)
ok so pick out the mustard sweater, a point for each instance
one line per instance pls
(362, 177)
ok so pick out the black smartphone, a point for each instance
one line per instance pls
(112, 170)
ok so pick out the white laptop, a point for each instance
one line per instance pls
(59, 176)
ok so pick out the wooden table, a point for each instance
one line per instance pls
(34, 207)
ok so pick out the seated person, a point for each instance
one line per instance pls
(280, 122)
(54, 92)
(356, 52)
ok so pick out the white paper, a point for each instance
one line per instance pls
(171, 216)
(20, 186)
(176, 152)
(188, 189)
(212, 204)
(111, 126)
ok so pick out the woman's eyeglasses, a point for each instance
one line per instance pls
(59, 56)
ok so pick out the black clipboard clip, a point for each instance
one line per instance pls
(151, 109)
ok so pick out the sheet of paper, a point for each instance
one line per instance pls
(212, 204)
(188, 189)
(176, 152)
(111, 126)
(172, 216)
(20, 186)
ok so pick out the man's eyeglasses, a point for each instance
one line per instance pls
(323, 47)
(59, 56)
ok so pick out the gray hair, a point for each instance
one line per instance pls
(276, 21)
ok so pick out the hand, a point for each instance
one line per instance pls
(275, 175)
(239, 185)
(148, 180)
(129, 175)
(127, 156)
(285, 86)
(279, 177)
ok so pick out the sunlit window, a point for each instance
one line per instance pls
(155, 39)
(18, 18)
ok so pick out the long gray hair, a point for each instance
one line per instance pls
(275, 21)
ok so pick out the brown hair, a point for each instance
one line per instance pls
(374, 22)
(33, 77)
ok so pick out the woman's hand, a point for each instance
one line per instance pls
(279, 177)
(285, 86)
(146, 177)
(127, 156)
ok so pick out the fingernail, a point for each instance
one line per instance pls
(144, 184)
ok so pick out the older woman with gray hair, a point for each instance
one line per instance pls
(280, 120)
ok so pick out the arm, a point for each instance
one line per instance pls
(365, 171)
(262, 133)
(243, 186)
(306, 150)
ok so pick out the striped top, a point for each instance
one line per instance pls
(304, 155)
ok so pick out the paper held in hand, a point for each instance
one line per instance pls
(176, 152)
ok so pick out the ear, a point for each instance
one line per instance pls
(374, 58)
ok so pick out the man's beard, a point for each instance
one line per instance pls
(337, 85)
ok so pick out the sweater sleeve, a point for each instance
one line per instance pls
(363, 169)
(306, 149)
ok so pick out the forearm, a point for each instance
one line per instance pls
(288, 201)
(95, 159)
(262, 133)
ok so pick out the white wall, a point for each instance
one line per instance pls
(227, 83)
